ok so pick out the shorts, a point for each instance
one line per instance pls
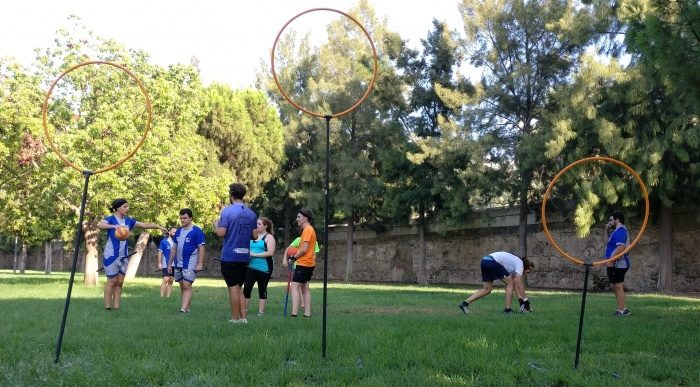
(165, 272)
(302, 274)
(616, 275)
(116, 267)
(181, 274)
(234, 273)
(492, 270)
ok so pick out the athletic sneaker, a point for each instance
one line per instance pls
(625, 312)
(508, 311)
(464, 307)
(243, 321)
(260, 314)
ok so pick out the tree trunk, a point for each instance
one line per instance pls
(348, 250)
(91, 255)
(135, 259)
(524, 212)
(422, 277)
(665, 263)
(48, 256)
(22, 258)
(14, 259)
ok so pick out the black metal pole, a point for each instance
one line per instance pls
(325, 231)
(583, 309)
(76, 247)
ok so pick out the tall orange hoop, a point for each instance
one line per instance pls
(369, 87)
(631, 245)
(44, 111)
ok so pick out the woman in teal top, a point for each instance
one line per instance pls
(260, 265)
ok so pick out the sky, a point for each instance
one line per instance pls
(229, 37)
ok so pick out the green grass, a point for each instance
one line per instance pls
(377, 335)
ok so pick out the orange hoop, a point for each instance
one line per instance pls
(44, 110)
(641, 231)
(369, 87)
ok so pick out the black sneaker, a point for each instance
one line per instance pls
(508, 311)
(464, 307)
(625, 312)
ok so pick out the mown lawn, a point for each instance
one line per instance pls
(377, 335)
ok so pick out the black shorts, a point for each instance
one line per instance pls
(616, 275)
(234, 273)
(165, 272)
(302, 274)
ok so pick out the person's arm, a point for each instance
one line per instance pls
(284, 256)
(160, 259)
(201, 251)
(302, 249)
(171, 259)
(519, 285)
(147, 225)
(104, 225)
(218, 230)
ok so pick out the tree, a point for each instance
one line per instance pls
(524, 50)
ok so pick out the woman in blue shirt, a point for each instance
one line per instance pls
(260, 265)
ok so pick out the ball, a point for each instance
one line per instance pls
(292, 251)
(122, 233)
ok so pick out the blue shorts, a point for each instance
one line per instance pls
(492, 270)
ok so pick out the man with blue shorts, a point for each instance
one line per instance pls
(237, 225)
(186, 256)
(508, 268)
(164, 248)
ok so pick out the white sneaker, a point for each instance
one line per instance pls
(243, 321)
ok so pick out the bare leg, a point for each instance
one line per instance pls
(109, 291)
(261, 305)
(117, 293)
(234, 297)
(485, 291)
(306, 292)
(620, 295)
(242, 303)
(247, 304)
(509, 292)
(296, 297)
(186, 289)
(163, 286)
(169, 287)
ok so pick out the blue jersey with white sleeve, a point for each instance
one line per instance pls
(187, 242)
(165, 246)
(114, 248)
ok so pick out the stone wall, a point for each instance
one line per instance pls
(453, 254)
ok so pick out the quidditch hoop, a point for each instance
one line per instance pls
(369, 87)
(641, 230)
(44, 111)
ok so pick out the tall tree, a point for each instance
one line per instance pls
(524, 50)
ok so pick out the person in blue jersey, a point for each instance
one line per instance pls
(115, 259)
(618, 240)
(237, 226)
(166, 286)
(260, 266)
(506, 267)
(186, 256)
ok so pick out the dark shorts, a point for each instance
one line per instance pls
(616, 275)
(302, 274)
(492, 270)
(234, 273)
(165, 272)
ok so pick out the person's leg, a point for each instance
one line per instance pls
(168, 286)
(263, 280)
(186, 290)
(296, 297)
(234, 296)
(242, 304)
(117, 291)
(306, 292)
(619, 289)
(109, 291)
(163, 286)
(485, 291)
(510, 287)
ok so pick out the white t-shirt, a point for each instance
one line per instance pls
(511, 262)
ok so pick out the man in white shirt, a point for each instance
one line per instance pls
(508, 268)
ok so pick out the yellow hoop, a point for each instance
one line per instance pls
(369, 87)
(641, 231)
(44, 111)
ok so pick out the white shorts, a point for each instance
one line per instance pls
(184, 274)
(118, 266)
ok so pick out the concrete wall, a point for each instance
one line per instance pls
(453, 254)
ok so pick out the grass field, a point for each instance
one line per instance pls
(377, 335)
